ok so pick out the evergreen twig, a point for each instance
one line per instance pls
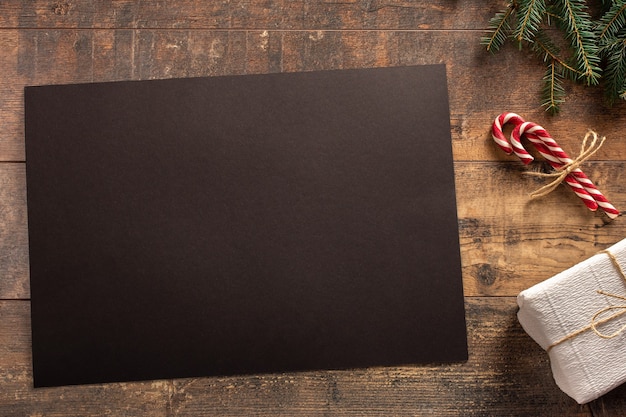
(615, 73)
(531, 14)
(553, 90)
(612, 21)
(597, 48)
(501, 27)
(546, 49)
(578, 28)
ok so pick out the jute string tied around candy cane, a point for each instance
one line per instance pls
(586, 152)
(567, 169)
(597, 319)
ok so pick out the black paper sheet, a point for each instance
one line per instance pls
(241, 225)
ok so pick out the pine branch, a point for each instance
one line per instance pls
(552, 16)
(615, 72)
(553, 90)
(578, 28)
(548, 51)
(530, 15)
(596, 49)
(612, 21)
(500, 27)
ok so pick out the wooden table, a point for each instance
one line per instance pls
(508, 243)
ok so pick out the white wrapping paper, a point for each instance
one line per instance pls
(585, 366)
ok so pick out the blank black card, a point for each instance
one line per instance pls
(241, 225)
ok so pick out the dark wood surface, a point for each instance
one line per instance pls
(508, 243)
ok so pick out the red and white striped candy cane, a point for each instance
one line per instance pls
(549, 149)
(498, 135)
(538, 136)
(554, 154)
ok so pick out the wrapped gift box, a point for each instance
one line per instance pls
(578, 317)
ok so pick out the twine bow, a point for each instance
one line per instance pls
(597, 319)
(568, 170)
(621, 309)
(559, 175)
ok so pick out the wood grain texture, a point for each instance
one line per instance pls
(612, 404)
(237, 14)
(504, 364)
(508, 243)
(13, 232)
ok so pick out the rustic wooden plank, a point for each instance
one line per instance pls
(611, 404)
(18, 398)
(236, 14)
(507, 374)
(13, 232)
(479, 89)
(11, 106)
(171, 54)
(508, 243)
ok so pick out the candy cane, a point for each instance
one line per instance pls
(540, 138)
(548, 147)
(498, 135)
(553, 153)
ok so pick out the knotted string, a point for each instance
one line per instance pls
(595, 319)
(621, 310)
(586, 152)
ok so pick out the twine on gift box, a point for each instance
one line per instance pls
(595, 319)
